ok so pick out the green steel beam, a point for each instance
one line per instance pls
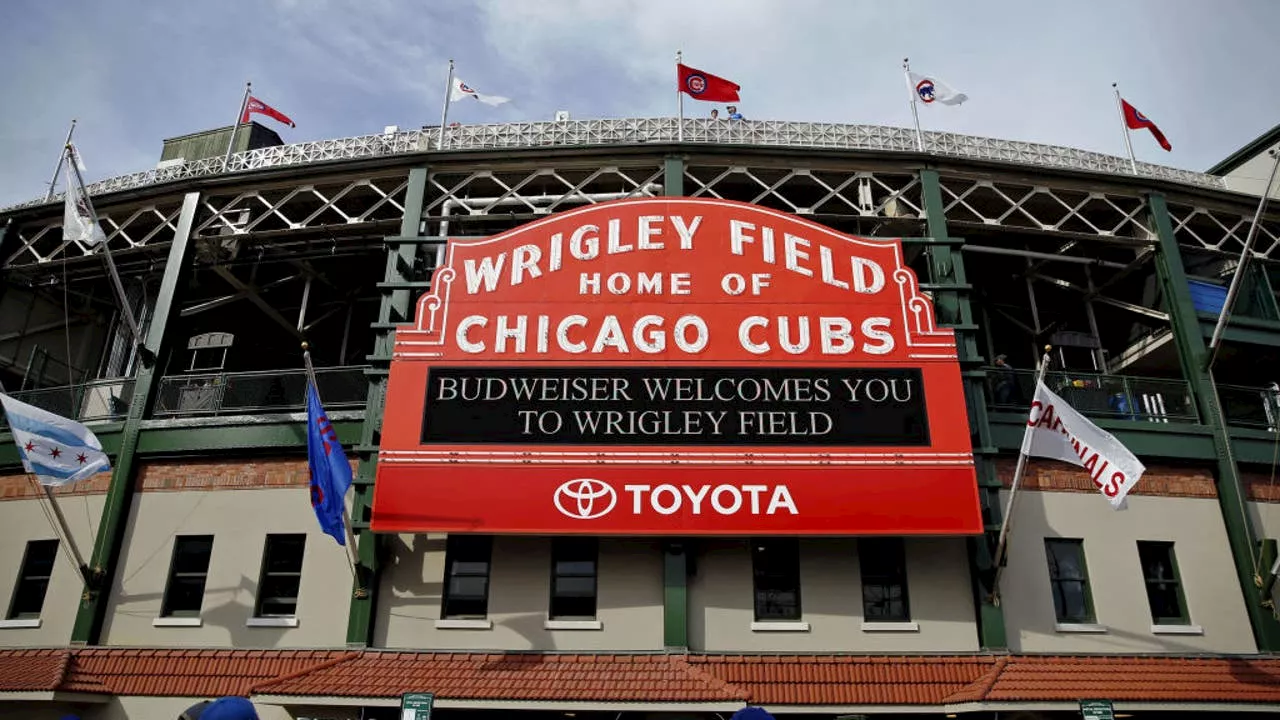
(1254, 331)
(675, 557)
(212, 436)
(675, 595)
(673, 176)
(1191, 352)
(115, 511)
(951, 303)
(397, 302)
(1171, 440)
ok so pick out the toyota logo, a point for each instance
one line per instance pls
(585, 498)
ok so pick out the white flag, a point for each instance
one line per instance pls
(462, 90)
(56, 450)
(78, 223)
(930, 90)
(1055, 430)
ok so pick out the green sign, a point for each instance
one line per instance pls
(1094, 710)
(416, 706)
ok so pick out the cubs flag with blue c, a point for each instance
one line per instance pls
(929, 90)
(330, 471)
(56, 450)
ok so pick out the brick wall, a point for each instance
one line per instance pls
(21, 486)
(231, 474)
(1164, 481)
(1260, 487)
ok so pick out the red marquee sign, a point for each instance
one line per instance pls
(675, 366)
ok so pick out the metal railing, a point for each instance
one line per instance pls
(96, 401)
(273, 391)
(1253, 407)
(568, 133)
(1120, 397)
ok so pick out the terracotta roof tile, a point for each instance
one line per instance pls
(32, 670)
(694, 678)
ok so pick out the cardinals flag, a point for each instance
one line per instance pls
(254, 105)
(1136, 121)
(701, 85)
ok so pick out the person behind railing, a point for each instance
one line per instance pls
(1003, 382)
(733, 113)
(715, 113)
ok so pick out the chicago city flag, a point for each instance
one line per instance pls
(330, 471)
(930, 90)
(78, 223)
(56, 450)
(1055, 430)
(462, 90)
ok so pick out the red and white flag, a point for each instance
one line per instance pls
(1055, 430)
(701, 85)
(254, 105)
(1136, 121)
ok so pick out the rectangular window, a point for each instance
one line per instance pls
(33, 579)
(775, 565)
(573, 578)
(1164, 588)
(1069, 580)
(884, 580)
(188, 570)
(281, 576)
(466, 589)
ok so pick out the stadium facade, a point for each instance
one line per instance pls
(832, 556)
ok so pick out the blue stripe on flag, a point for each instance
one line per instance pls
(45, 430)
(40, 468)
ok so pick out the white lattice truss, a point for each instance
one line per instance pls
(125, 228)
(979, 201)
(345, 202)
(864, 194)
(484, 191)
(650, 130)
(1222, 230)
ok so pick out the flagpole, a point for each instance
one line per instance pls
(346, 514)
(1245, 252)
(1018, 471)
(59, 524)
(444, 113)
(1124, 125)
(126, 310)
(915, 111)
(244, 103)
(679, 100)
(57, 170)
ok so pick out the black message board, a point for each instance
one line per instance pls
(675, 406)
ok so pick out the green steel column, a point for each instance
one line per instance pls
(951, 302)
(1191, 352)
(673, 176)
(115, 511)
(396, 307)
(675, 557)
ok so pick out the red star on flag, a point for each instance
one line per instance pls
(82, 458)
(29, 446)
(55, 452)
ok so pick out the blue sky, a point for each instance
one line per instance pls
(134, 72)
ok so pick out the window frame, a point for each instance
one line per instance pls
(455, 545)
(560, 547)
(771, 548)
(166, 602)
(1184, 617)
(1090, 617)
(266, 573)
(881, 547)
(25, 576)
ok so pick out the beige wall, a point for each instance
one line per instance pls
(23, 520)
(1252, 175)
(629, 605)
(721, 604)
(1111, 556)
(162, 708)
(239, 520)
